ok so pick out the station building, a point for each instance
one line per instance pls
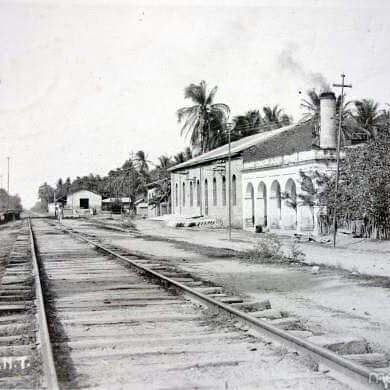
(265, 177)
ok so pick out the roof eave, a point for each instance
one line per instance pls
(201, 162)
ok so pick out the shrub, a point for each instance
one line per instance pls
(268, 248)
(295, 253)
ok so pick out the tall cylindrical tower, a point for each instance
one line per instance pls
(328, 133)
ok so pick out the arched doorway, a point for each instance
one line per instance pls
(290, 203)
(261, 206)
(249, 206)
(307, 218)
(275, 205)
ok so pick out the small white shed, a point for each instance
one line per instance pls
(84, 199)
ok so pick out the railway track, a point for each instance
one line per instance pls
(112, 327)
(20, 358)
(354, 358)
(114, 320)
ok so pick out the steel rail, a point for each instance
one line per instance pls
(49, 369)
(343, 369)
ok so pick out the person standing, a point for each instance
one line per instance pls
(60, 213)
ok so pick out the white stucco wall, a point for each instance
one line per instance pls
(73, 200)
(201, 174)
(264, 175)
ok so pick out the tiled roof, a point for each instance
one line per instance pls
(236, 147)
(293, 140)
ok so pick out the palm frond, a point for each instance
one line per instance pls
(212, 93)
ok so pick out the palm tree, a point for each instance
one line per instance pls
(311, 114)
(188, 153)
(204, 121)
(368, 117)
(274, 117)
(142, 161)
(163, 178)
(385, 118)
(311, 106)
(179, 158)
(245, 125)
(183, 156)
(164, 162)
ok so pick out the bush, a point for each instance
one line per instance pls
(295, 253)
(267, 249)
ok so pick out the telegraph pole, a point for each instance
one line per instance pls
(8, 184)
(8, 175)
(342, 86)
(230, 182)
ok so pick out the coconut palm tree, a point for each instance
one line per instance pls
(183, 156)
(274, 117)
(188, 153)
(385, 118)
(204, 121)
(164, 162)
(179, 158)
(367, 116)
(247, 124)
(311, 106)
(142, 161)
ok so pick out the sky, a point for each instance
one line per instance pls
(84, 83)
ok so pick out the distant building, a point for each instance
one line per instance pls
(84, 200)
(141, 208)
(265, 177)
(110, 204)
(156, 207)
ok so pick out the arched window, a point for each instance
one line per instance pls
(214, 191)
(234, 190)
(261, 205)
(191, 194)
(184, 194)
(198, 194)
(177, 195)
(249, 208)
(206, 197)
(223, 191)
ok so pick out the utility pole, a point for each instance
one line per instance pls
(8, 175)
(132, 186)
(229, 127)
(342, 86)
(8, 158)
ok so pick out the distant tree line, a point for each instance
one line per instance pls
(130, 179)
(9, 202)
